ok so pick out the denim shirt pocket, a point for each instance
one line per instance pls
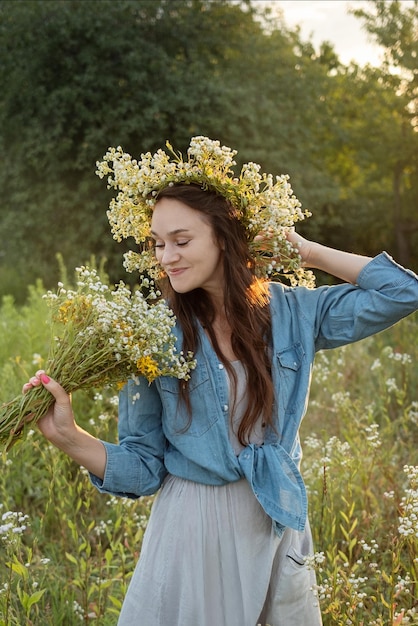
(291, 358)
(290, 361)
(177, 421)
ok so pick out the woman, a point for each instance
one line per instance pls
(228, 533)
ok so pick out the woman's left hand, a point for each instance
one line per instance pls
(302, 245)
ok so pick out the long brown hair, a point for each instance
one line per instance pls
(245, 300)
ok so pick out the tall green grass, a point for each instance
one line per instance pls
(67, 552)
(361, 468)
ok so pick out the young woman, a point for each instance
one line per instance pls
(228, 533)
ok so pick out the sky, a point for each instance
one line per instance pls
(329, 20)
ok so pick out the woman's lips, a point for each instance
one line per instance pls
(176, 272)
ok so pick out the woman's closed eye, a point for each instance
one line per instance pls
(158, 244)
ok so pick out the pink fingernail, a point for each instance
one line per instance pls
(45, 379)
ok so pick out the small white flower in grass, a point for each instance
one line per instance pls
(315, 561)
(413, 413)
(313, 442)
(13, 523)
(402, 358)
(341, 398)
(37, 359)
(100, 528)
(408, 520)
(370, 548)
(403, 584)
(391, 385)
(372, 435)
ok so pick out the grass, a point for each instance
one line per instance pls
(361, 469)
(67, 552)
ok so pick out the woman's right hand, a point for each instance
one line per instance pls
(59, 427)
(58, 423)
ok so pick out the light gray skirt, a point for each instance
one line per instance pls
(210, 557)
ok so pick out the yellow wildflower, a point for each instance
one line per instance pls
(148, 367)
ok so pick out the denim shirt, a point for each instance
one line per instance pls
(154, 439)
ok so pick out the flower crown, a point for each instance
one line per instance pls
(265, 205)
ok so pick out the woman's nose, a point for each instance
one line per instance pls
(170, 254)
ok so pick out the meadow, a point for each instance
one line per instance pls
(67, 552)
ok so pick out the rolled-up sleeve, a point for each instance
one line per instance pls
(385, 293)
(135, 467)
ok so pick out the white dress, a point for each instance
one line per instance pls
(210, 557)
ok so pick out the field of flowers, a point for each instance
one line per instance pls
(67, 552)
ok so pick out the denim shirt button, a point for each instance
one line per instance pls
(220, 366)
(226, 407)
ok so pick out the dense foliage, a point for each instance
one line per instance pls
(78, 77)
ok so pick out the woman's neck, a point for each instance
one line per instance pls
(223, 333)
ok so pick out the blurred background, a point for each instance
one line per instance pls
(78, 77)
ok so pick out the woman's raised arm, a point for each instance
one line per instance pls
(343, 265)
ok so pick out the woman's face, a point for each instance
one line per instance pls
(185, 247)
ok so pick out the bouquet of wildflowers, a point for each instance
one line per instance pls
(100, 336)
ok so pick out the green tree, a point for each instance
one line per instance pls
(80, 76)
(395, 27)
